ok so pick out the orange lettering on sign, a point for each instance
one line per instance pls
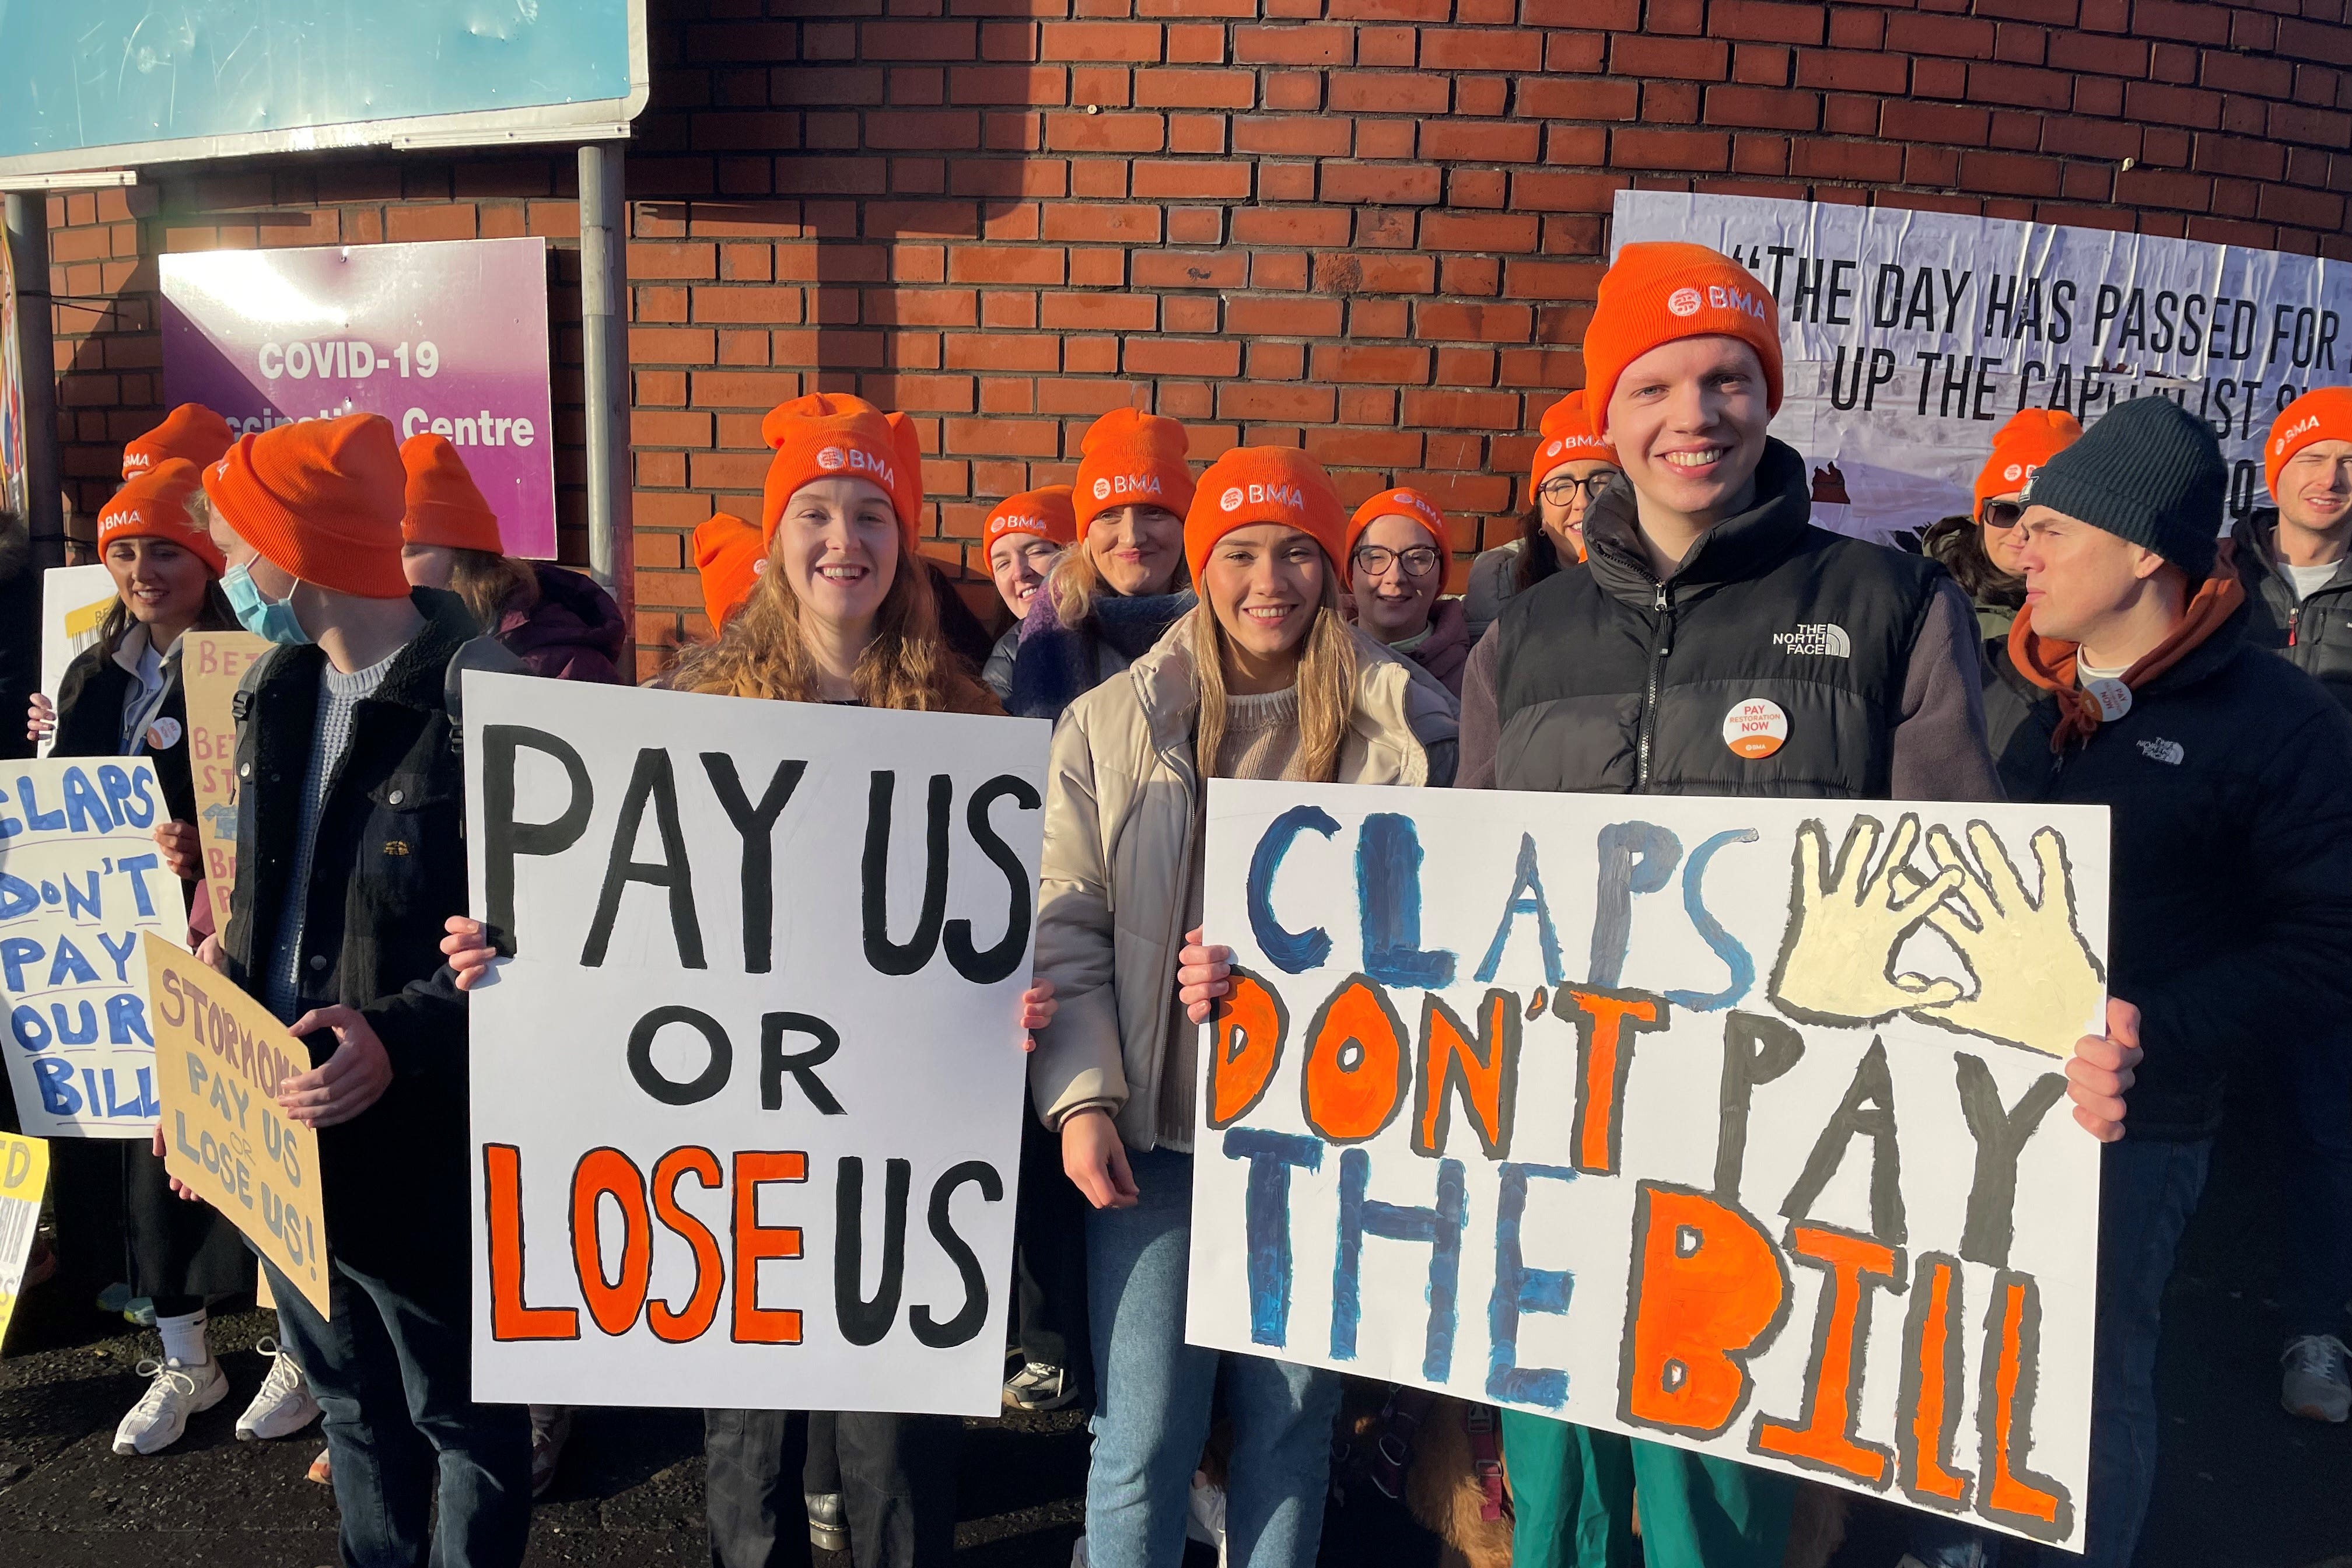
(1604, 1051)
(1708, 1293)
(1822, 1437)
(603, 1174)
(1246, 1029)
(1930, 1412)
(755, 1325)
(1355, 1075)
(509, 1318)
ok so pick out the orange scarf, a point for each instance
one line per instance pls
(2050, 664)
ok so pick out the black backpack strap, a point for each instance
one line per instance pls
(482, 653)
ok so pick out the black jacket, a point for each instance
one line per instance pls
(2313, 635)
(2230, 914)
(1608, 680)
(90, 721)
(388, 867)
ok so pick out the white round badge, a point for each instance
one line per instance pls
(1102, 489)
(1232, 500)
(1755, 728)
(1685, 301)
(2113, 698)
(162, 734)
(832, 458)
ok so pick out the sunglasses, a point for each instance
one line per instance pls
(2000, 513)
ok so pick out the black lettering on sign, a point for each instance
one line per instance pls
(970, 1317)
(884, 955)
(987, 967)
(1756, 1050)
(775, 1061)
(757, 824)
(2001, 1136)
(1867, 1111)
(653, 780)
(703, 1085)
(503, 838)
(864, 1321)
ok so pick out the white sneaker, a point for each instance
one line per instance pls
(284, 1404)
(176, 1393)
(2318, 1381)
(1205, 1518)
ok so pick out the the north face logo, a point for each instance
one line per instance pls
(1824, 639)
(2308, 422)
(2167, 752)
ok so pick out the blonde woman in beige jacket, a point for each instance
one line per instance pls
(1264, 680)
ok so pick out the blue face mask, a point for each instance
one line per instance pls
(273, 620)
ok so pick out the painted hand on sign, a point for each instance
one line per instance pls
(1837, 961)
(2038, 985)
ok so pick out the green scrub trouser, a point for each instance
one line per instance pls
(1572, 1491)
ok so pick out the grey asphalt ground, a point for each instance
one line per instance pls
(2242, 1484)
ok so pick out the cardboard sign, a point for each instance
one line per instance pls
(1733, 1124)
(747, 1100)
(80, 878)
(211, 665)
(24, 1178)
(221, 1057)
(74, 601)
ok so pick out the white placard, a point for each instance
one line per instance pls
(736, 1037)
(1668, 1116)
(80, 878)
(1908, 337)
(74, 601)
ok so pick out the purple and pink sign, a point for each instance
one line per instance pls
(449, 338)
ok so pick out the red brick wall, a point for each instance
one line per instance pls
(1368, 226)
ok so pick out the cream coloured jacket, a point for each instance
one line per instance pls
(1120, 828)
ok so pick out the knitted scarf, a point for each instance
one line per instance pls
(1055, 665)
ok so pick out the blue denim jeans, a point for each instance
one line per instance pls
(2147, 1191)
(1153, 1397)
(392, 1372)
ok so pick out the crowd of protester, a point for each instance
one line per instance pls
(2085, 635)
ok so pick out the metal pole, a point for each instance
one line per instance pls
(604, 341)
(29, 256)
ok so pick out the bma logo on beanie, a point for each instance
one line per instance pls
(2278, 447)
(1130, 485)
(831, 459)
(1684, 302)
(2015, 472)
(859, 460)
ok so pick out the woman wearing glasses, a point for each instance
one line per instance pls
(1980, 552)
(1396, 566)
(1573, 466)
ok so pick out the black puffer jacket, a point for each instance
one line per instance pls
(2230, 922)
(388, 867)
(1608, 680)
(2314, 635)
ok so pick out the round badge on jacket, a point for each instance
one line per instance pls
(162, 734)
(2113, 698)
(1755, 728)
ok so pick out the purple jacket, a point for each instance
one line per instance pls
(574, 633)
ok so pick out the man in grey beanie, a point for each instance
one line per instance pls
(2230, 923)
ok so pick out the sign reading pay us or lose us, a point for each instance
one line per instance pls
(80, 880)
(211, 665)
(1735, 1124)
(220, 1057)
(747, 1100)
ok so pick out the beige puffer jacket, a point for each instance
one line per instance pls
(1121, 816)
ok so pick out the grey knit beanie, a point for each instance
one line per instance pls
(2151, 473)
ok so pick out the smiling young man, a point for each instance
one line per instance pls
(1716, 643)
(2297, 574)
(2230, 919)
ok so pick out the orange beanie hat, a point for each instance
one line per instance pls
(830, 435)
(1265, 484)
(1567, 438)
(190, 431)
(322, 500)
(2030, 438)
(1129, 457)
(444, 507)
(2323, 413)
(1661, 291)
(729, 554)
(155, 506)
(1047, 513)
(1398, 502)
